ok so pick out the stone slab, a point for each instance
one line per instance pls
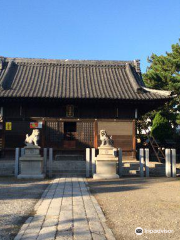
(22, 176)
(107, 151)
(31, 167)
(67, 210)
(31, 151)
(106, 158)
(31, 158)
(105, 176)
(106, 167)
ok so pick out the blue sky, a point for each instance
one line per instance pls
(88, 29)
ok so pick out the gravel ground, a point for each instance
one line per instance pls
(17, 200)
(151, 204)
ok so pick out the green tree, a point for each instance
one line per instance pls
(164, 74)
(161, 127)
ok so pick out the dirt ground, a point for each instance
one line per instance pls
(128, 203)
(17, 200)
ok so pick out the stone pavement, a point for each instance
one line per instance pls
(66, 211)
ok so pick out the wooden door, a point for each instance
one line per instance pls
(54, 133)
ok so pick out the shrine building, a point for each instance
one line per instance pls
(70, 101)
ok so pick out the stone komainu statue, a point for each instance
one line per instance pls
(33, 138)
(105, 139)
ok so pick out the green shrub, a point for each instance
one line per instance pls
(161, 128)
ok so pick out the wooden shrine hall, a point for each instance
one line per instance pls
(70, 101)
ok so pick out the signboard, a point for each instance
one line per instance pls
(35, 124)
(69, 111)
(8, 126)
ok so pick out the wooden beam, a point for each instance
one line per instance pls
(96, 134)
(43, 133)
(134, 138)
(3, 137)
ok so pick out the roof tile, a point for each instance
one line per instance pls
(32, 78)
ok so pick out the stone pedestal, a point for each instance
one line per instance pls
(106, 164)
(31, 164)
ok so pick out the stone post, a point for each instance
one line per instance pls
(45, 160)
(93, 155)
(120, 162)
(173, 155)
(147, 161)
(141, 161)
(87, 162)
(168, 162)
(50, 161)
(22, 152)
(16, 170)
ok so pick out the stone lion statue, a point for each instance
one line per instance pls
(33, 138)
(106, 140)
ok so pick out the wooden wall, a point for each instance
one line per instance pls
(54, 110)
(122, 133)
(90, 119)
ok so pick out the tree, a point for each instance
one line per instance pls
(164, 71)
(161, 127)
(164, 74)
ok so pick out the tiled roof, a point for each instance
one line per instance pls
(74, 79)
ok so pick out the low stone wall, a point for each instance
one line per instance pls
(132, 168)
(7, 167)
(68, 168)
(64, 168)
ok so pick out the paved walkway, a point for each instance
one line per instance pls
(66, 211)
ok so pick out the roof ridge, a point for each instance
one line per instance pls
(44, 60)
(6, 78)
(161, 92)
(137, 87)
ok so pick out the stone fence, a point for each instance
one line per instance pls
(167, 169)
(142, 168)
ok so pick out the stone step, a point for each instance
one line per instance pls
(69, 174)
(70, 168)
(69, 165)
(7, 168)
(132, 172)
(68, 171)
(69, 157)
(131, 167)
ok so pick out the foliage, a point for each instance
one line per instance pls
(164, 74)
(161, 127)
(178, 119)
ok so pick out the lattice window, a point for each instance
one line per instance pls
(85, 132)
(54, 132)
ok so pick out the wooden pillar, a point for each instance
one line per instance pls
(96, 134)
(134, 138)
(43, 133)
(3, 138)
